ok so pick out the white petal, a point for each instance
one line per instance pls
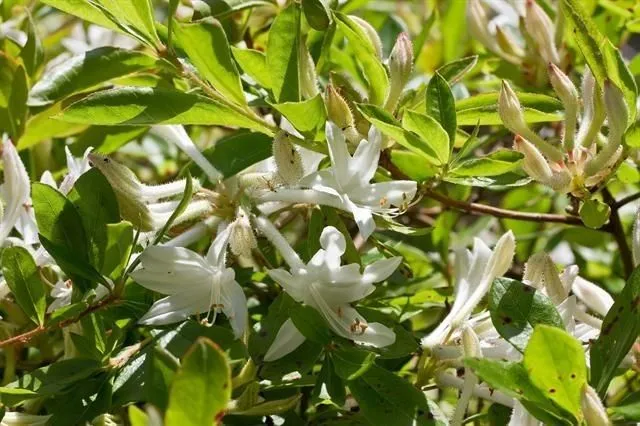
(178, 136)
(16, 188)
(334, 244)
(596, 298)
(521, 417)
(280, 243)
(382, 195)
(339, 153)
(287, 340)
(217, 253)
(289, 283)
(176, 307)
(502, 256)
(309, 196)
(365, 159)
(380, 270)
(235, 306)
(376, 335)
(47, 179)
(362, 216)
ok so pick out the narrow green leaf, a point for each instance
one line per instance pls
(365, 52)
(254, 64)
(283, 60)
(351, 363)
(517, 308)
(483, 109)
(556, 366)
(17, 110)
(389, 126)
(86, 71)
(441, 105)
(307, 116)
(201, 388)
(41, 127)
(236, 152)
(136, 13)
(317, 13)
(32, 53)
(22, 276)
(85, 10)
(148, 106)
(430, 132)
(454, 71)
(495, 164)
(205, 42)
(620, 329)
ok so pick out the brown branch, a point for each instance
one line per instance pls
(626, 200)
(27, 336)
(617, 230)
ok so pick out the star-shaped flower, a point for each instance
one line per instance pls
(194, 284)
(15, 190)
(330, 288)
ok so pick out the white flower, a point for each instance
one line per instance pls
(595, 414)
(328, 287)
(346, 184)
(475, 271)
(76, 167)
(15, 190)
(195, 284)
(63, 290)
(14, 418)
(178, 136)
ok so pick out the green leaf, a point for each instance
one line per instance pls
(86, 71)
(254, 63)
(386, 399)
(495, 164)
(556, 366)
(22, 276)
(283, 51)
(594, 213)
(234, 153)
(118, 247)
(307, 116)
(517, 308)
(18, 102)
(389, 126)
(41, 127)
(413, 165)
(453, 26)
(136, 14)
(206, 45)
(278, 313)
(311, 324)
(317, 13)
(201, 388)
(604, 60)
(430, 132)
(148, 106)
(484, 109)
(454, 71)
(351, 363)
(441, 104)
(32, 53)
(331, 382)
(96, 202)
(365, 53)
(620, 328)
(84, 10)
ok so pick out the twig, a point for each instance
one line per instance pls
(617, 230)
(626, 200)
(27, 336)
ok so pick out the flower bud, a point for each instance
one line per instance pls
(594, 412)
(512, 117)
(400, 66)
(541, 271)
(470, 343)
(371, 34)
(568, 94)
(593, 114)
(242, 239)
(501, 258)
(478, 23)
(542, 31)
(534, 163)
(508, 45)
(307, 71)
(287, 158)
(617, 111)
(337, 109)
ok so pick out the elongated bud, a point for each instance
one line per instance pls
(288, 160)
(542, 31)
(534, 162)
(371, 34)
(541, 271)
(339, 112)
(594, 113)
(595, 414)
(512, 117)
(242, 239)
(307, 70)
(470, 343)
(502, 257)
(568, 94)
(478, 22)
(508, 44)
(400, 66)
(618, 115)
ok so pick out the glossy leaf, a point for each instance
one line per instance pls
(254, 64)
(283, 52)
(306, 116)
(224, 156)
(441, 104)
(494, 164)
(484, 109)
(23, 278)
(429, 131)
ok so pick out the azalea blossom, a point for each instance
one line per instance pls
(346, 184)
(15, 418)
(194, 284)
(15, 190)
(330, 288)
(475, 271)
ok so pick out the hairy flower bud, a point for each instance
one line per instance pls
(242, 239)
(502, 257)
(339, 112)
(287, 158)
(371, 34)
(534, 163)
(542, 31)
(595, 414)
(568, 94)
(400, 66)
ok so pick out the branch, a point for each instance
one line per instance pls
(617, 230)
(27, 336)
(626, 200)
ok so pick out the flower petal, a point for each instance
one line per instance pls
(16, 188)
(365, 159)
(382, 195)
(217, 253)
(176, 307)
(291, 284)
(596, 298)
(287, 340)
(380, 270)
(334, 244)
(234, 306)
(339, 154)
